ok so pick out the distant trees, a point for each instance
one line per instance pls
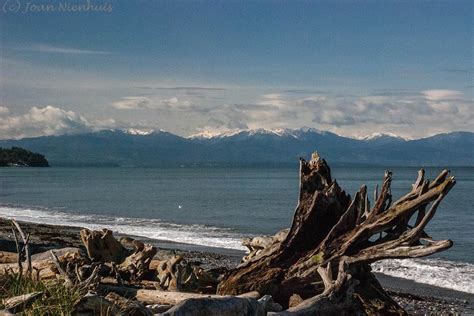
(21, 157)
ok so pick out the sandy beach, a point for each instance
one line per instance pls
(416, 298)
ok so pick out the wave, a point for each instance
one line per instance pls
(442, 273)
(457, 276)
(202, 235)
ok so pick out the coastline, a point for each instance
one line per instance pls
(416, 298)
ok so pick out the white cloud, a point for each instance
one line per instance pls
(273, 99)
(142, 102)
(4, 110)
(46, 48)
(409, 115)
(441, 94)
(48, 120)
(130, 103)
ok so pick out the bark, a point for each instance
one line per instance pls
(324, 259)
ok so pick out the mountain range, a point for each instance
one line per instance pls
(127, 148)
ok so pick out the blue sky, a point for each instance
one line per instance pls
(352, 67)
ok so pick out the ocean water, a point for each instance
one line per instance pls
(217, 207)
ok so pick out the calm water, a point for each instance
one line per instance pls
(208, 206)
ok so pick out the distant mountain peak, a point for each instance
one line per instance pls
(140, 132)
(379, 136)
(206, 134)
(281, 132)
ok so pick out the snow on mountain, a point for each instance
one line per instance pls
(379, 136)
(139, 132)
(281, 132)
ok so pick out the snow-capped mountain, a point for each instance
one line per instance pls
(383, 138)
(138, 147)
(280, 132)
(140, 132)
(375, 136)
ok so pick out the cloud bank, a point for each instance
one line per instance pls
(409, 114)
(46, 121)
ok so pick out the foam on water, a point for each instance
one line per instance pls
(457, 276)
(209, 236)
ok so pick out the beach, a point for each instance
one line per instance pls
(416, 298)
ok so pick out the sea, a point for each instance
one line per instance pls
(218, 206)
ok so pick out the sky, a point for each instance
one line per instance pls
(350, 67)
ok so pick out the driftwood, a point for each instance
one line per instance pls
(226, 305)
(93, 304)
(8, 257)
(324, 259)
(175, 274)
(23, 252)
(102, 247)
(163, 297)
(216, 306)
(257, 244)
(19, 303)
(127, 306)
(43, 264)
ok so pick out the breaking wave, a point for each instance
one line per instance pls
(457, 276)
(202, 235)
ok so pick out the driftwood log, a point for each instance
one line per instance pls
(18, 303)
(322, 265)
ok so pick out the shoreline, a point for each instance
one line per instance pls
(416, 298)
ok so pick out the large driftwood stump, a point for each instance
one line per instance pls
(102, 247)
(324, 259)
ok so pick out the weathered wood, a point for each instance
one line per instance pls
(93, 304)
(333, 239)
(125, 265)
(225, 305)
(18, 303)
(256, 245)
(25, 250)
(128, 306)
(173, 298)
(217, 306)
(8, 257)
(101, 246)
(137, 264)
(175, 274)
(43, 262)
(162, 297)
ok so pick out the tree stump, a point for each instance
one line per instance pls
(102, 247)
(324, 259)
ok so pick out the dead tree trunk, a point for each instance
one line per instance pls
(324, 259)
